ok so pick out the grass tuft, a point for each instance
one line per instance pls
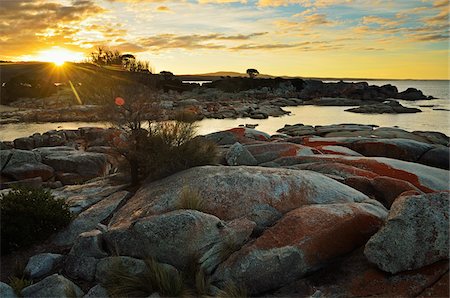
(191, 199)
(157, 278)
(18, 284)
(232, 290)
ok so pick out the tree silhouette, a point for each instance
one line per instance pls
(252, 73)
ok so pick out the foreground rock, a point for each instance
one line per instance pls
(89, 219)
(416, 234)
(53, 286)
(354, 276)
(178, 236)
(6, 291)
(40, 265)
(234, 192)
(304, 240)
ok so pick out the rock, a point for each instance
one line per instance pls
(425, 178)
(88, 220)
(232, 192)
(354, 276)
(97, 291)
(298, 130)
(308, 237)
(166, 104)
(81, 197)
(6, 291)
(29, 170)
(391, 107)
(16, 157)
(403, 149)
(188, 102)
(176, 237)
(106, 265)
(239, 134)
(264, 215)
(411, 94)
(266, 152)
(53, 286)
(89, 244)
(86, 164)
(387, 189)
(339, 150)
(433, 137)
(415, 235)
(69, 178)
(24, 143)
(436, 157)
(80, 267)
(238, 155)
(41, 264)
(30, 182)
(439, 288)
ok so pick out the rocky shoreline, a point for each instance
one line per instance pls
(228, 98)
(339, 210)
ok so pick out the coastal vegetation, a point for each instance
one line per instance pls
(29, 216)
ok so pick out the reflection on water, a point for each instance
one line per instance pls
(429, 120)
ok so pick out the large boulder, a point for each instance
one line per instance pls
(411, 94)
(6, 291)
(239, 134)
(41, 264)
(354, 276)
(416, 234)
(15, 157)
(438, 157)
(82, 196)
(303, 241)
(90, 218)
(232, 192)
(390, 107)
(53, 286)
(238, 155)
(266, 152)
(67, 160)
(403, 149)
(425, 178)
(29, 170)
(179, 236)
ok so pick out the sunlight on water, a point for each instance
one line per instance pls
(428, 120)
(312, 115)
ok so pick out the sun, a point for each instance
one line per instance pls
(59, 55)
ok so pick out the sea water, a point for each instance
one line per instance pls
(435, 115)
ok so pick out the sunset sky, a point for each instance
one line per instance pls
(311, 38)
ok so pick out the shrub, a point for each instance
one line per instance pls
(191, 199)
(170, 147)
(29, 216)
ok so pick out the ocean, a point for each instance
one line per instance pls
(435, 115)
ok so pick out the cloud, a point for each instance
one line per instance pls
(193, 41)
(304, 3)
(301, 46)
(221, 1)
(164, 9)
(381, 21)
(30, 25)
